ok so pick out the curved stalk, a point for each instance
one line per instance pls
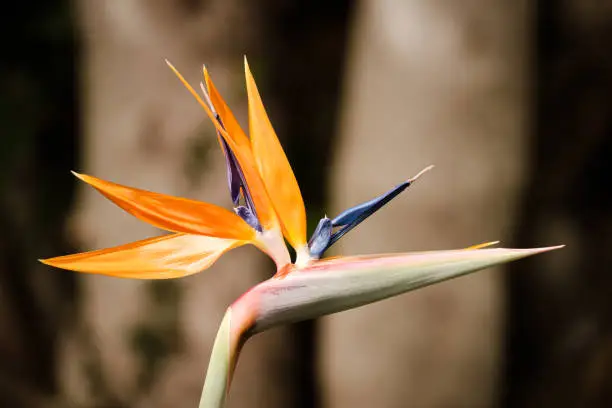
(226, 348)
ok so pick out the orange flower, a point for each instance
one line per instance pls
(267, 205)
(268, 208)
(265, 193)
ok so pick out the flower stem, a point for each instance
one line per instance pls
(221, 365)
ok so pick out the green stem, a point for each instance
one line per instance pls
(221, 366)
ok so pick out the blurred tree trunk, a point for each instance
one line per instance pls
(146, 344)
(442, 83)
(302, 100)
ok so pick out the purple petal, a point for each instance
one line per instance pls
(233, 171)
(247, 215)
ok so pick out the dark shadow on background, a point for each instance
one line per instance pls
(560, 335)
(38, 144)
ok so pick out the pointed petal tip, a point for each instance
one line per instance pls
(547, 249)
(51, 262)
(247, 69)
(172, 67)
(523, 252)
(92, 181)
(543, 249)
(207, 79)
(83, 177)
(207, 97)
(420, 173)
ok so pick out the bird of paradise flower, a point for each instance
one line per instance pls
(268, 208)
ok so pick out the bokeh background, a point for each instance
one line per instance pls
(511, 100)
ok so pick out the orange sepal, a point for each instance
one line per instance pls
(165, 257)
(174, 213)
(242, 151)
(230, 123)
(274, 168)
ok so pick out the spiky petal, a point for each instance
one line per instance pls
(275, 169)
(242, 150)
(173, 213)
(165, 257)
(323, 237)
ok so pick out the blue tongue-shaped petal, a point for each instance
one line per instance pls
(352, 217)
(319, 241)
(323, 237)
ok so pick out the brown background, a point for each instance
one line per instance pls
(510, 101)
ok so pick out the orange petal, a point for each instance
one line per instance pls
(165, 257)
(274, 168)
(242, 150)
(174, 213)
(230, 123)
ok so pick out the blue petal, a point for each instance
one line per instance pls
(324, 237)
(360, 212)
(352, 217)
(319, 241)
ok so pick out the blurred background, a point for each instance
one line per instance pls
(510, 101)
